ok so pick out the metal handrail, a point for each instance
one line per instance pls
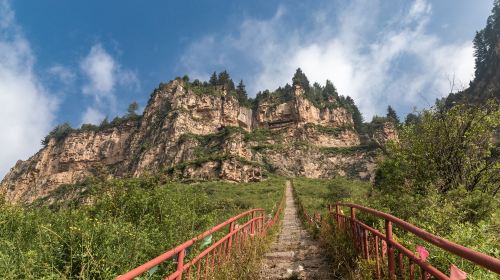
(180, 249)
(221, 249)
(486, 261)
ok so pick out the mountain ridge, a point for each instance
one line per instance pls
(194, 133)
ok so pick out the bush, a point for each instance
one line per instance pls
(129, 222)
(58, 133)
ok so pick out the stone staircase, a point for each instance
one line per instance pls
(294, 255)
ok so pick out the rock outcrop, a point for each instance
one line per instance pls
(190, 133)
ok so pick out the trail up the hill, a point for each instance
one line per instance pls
(294, 255)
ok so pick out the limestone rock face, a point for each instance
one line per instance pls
(191, 135)
(387, 132)
(76, 157)
(300, 111)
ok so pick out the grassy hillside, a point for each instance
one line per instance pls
(128, 222)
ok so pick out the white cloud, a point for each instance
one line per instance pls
(103, 75)
(92, 115)
(418, 9)
(100, 69)
(27, 108)
(362, 61)
(63, 73)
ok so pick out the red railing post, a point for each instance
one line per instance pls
(337, 214)
(262, 221)
(252, 227)
(390, 249)
(230, 239)
(366, 247)
(353, 228)
(180, 263)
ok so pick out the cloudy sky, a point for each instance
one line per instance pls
(82, 61)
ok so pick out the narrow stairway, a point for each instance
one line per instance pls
(294, 255)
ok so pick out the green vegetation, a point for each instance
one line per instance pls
(216, 84)
(60, 132)
(209, 148)
(128, 222)
(317, 194)
(320, 96)
(442, 176)
(392, 115)
(246, 261)
(349, 150)
(265, 134)
(336, 131)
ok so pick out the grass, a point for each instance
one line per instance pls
(129, 222)
(349, 150)
(336, 131)
(317, 194)
(246, 261)
(265, 134)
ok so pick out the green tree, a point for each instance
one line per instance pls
(357, 118)
(59, 133)
(299, 78)
(411, 119)
(132, 108)
(391, 115)
(480, 53)
(225, 80)
(329, 90)
(104, 124)
(241, 92)
(213, 79)
(445, 151)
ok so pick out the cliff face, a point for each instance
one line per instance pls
(191, 135)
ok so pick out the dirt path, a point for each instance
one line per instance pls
(295, 255)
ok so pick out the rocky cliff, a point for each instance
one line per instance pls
(200, 133)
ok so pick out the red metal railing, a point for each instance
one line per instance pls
(201, 265)
(372, 244)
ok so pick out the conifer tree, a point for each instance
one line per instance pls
(213, 79)
(241, 92)
(299, 78)
(225, 80)
(391, 115)
(132, 108)
(329, 90)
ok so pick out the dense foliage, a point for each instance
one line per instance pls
(442, 175)
(447, 153)
(128, 222)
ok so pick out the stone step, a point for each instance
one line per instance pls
(281, 255)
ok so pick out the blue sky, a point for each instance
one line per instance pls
(80, 61)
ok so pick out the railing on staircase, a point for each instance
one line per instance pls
(239, 229)
(381, 247)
